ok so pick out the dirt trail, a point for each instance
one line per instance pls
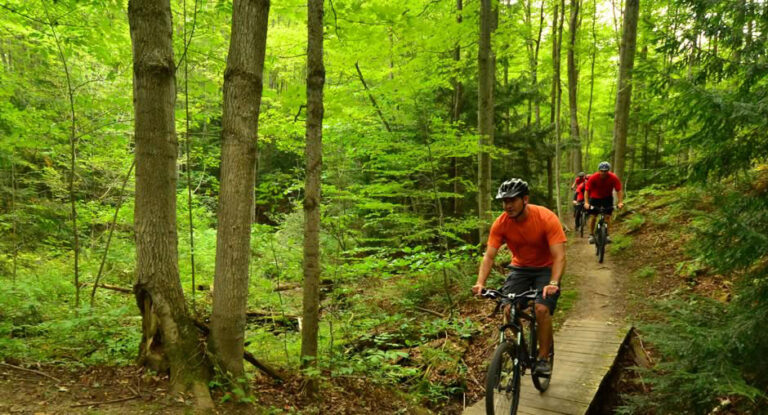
(599, 293)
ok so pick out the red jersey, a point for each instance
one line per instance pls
(578, 181)
(600, 188)
(580, 192)
(529, 240)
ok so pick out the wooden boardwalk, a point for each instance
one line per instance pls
(585, 351)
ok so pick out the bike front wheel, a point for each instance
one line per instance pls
(603, 238)
(502, 388)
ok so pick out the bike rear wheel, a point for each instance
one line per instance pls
(502, 388)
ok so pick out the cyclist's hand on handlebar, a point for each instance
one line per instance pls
(587, 206)
(550, 290)
(477, 289)
(620, 205)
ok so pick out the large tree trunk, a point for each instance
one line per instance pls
(485, 63)
(573, 79)
(314, 160)
(553, 97)
(242, 99)
(624, 94)
(535, 67)
(558, 105)
(591, 85)
(169, 339)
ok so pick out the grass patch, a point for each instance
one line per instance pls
(620, 243)
(645, 272)
(634, 223)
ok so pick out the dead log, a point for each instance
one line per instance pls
(249, 357)
(111, 287)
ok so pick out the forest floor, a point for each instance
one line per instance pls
(58, 389)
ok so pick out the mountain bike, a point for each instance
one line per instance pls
(601, 233)
(581, 219)
(516, 353)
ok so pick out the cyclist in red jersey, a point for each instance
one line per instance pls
(536, 239)
(580, 178)
(578, 200)
(599, 193)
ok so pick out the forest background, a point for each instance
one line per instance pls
(400, 178)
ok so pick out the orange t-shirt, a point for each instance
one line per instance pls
(529, 240)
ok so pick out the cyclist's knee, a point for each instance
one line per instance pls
(542, 311)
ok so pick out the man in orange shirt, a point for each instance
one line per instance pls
(536, 239)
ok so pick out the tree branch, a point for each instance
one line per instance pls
(373, 100)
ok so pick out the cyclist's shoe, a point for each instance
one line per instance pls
(591, 239)
(543, 368)
(608, 240)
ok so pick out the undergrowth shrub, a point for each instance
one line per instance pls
(714, 352)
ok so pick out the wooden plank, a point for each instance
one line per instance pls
(593, 323)
(585, 344)
(585, 352)
(563, 400)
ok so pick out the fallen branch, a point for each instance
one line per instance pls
(37, 372)
(116, 288)
(287, 287)
(246, 355)
(471, 376)
(261, 366)
(428, 311)
(111, 287)
(80, 405)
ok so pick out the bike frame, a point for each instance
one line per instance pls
(515, 325)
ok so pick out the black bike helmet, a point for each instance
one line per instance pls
(604, 166)
(512, 188)
(581, 174)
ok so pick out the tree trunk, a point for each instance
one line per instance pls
(455, 114)
(169, 338)
(535, 66)
(553, 98)
(314, 160)
(591, 85)
(72, 159)
(485, 63)
(188, 164)
(558, 104)
(14, 225)
(624, 94)
(573, 79)
(240, 120)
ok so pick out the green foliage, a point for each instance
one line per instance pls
(712, 349)
(634, 223)
(399, 202)
(646, 272)
(621, 243)
(703, 360)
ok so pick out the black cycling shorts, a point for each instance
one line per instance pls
(606, 202)
(521, 279)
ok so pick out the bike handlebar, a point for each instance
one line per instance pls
(601, 209)
(496, 295)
